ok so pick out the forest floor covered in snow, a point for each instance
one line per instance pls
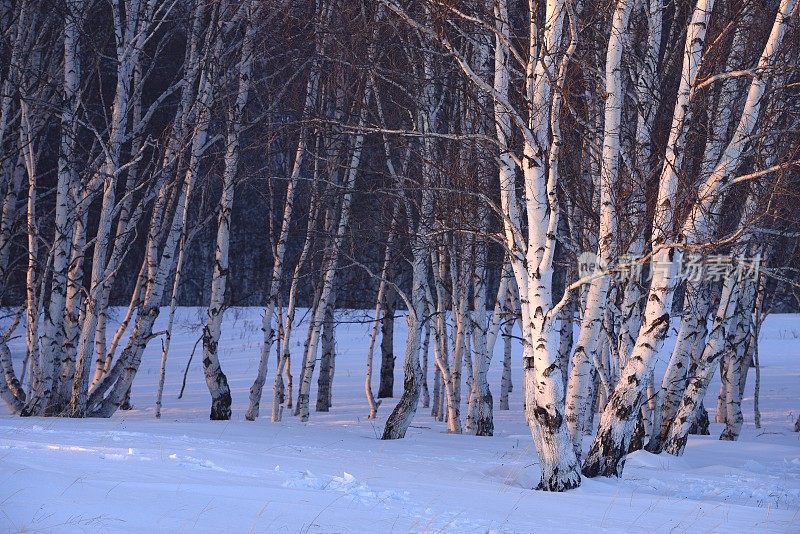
(133, 473)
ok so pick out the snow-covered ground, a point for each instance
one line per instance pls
(184, 473)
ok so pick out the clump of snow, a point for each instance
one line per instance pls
(345, 484)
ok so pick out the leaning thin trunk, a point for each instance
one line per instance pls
(690, 339)
(309, 358)
(702, 370)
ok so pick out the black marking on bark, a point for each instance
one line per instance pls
(547, 420)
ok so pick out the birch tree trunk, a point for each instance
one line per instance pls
(216, 380)
(701, 371)
(648, 90)
(327, 360)
(690, 340)
(382, 287)
(220, 409)
(532, 262)
(400, 419)
(736, 351)
(312, 89)
(697, 224)
(134, 23)
(450, 376)
(578, 393)
(280, 253)
(160, 263)
(281, 394)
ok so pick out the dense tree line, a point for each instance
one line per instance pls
(477, 166)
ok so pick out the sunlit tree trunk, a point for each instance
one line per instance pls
(578, 393)
(697, 225)
(283, 392)
(689, 341)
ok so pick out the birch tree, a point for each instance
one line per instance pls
(312, 89)
(607, 453)
(52, 332)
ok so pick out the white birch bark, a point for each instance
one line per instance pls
(102, 365)
(11, 390)
(419, 301)
(449, 376)
(327, 359)
(424, 352)
(736, 351)
(400, 419)
(277, 269)
(129, 216)
(74, 309)
(532, 262)
(134, 21)
(160, 263)
(701, 371)
(127, 55)
(281, 394)
(696, 227)
(485, 334)
(312, 89)
(382, 302)
(33, 300)
(216, 380)
(173, 304)
(729, 92)
(648, 91)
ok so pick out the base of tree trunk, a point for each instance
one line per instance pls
(639, 433)
(401, 416)
(560, 480)
(221, 408)
(484, 426)
(701, 424)
(606, 458)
